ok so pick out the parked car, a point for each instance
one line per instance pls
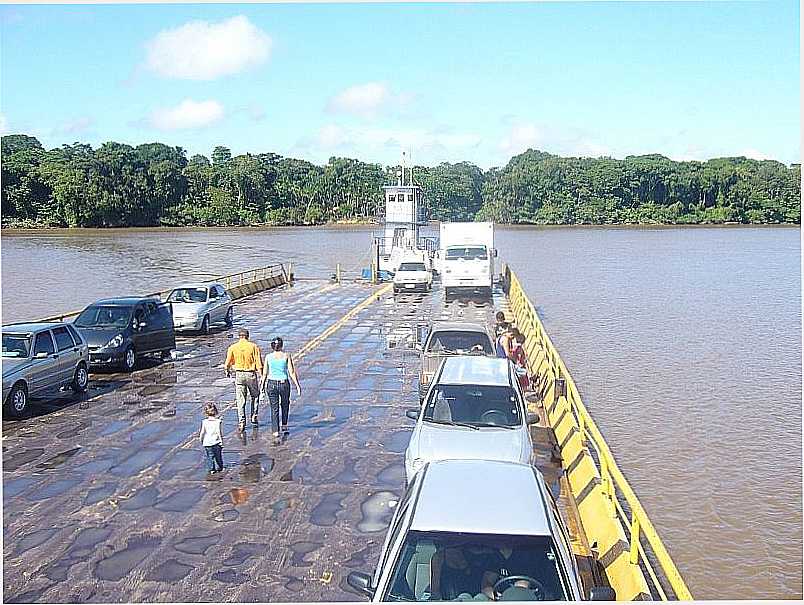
(447, 339)
(120, 330)
(198, 306)
(474, 410)
(41, 358)
(413, 276)
(476, 530)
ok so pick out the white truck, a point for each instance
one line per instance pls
(466, 257)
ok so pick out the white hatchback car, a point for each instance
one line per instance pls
(413, 276)
(198, 306)
(476, 530)
(473, 410)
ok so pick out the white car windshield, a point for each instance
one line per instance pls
(16, 345)
(475, 405)
(439, 566)
(412, 267)
(98, 316)
(188, 295)
(467, 253)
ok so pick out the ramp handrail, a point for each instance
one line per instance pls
(639, 525)
(230, 281)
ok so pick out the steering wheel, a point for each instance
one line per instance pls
(508, 581)
(494, 417)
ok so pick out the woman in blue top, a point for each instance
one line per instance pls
(277, 374)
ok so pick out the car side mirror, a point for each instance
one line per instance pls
(361, 582)
(41, 355)
(602, 593)
(533, 418)
(412, 414)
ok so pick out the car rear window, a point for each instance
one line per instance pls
(457, 341)
(63, 339)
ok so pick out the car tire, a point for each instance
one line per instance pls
(230, 317)
(129, 359)
(80, 379)
(205, 325)
(166, 355)
(17, 401)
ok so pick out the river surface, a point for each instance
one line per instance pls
(684, 342)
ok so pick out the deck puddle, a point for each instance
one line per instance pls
(143, 498)
(325, 513)
(376, 512)
(100, 493)
(169, 571)
(255, 467)
(197, 545)
(392, 475)
(348, 474)
(118, 565)
(397, 442)
(181, 501)
(300, 551)
(58, 459)
(138, 462)
(15, 487)
(86, 540)
(13, 462)
(243, 552)
(34, 539)
(229, 576)
(54, 489)
(225, 515)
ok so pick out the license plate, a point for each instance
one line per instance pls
(410, 285)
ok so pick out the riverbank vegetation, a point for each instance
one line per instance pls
(118, 185)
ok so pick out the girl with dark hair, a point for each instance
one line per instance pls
(280, 370)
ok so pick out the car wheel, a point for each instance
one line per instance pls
(205, 325)
(129, 359)
(80, 379)
(166, 355)
(18, 399)
(230, 317)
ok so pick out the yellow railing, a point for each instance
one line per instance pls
(556, 385)
(232, 280)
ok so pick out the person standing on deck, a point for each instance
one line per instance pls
(276, 382)
(246, 358)
(503, 346)
(211, 439)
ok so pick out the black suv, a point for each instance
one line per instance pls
(119, 330)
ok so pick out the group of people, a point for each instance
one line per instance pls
(253, 376)
(510, 344)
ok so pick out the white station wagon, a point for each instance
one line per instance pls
(476, 530)
(198, 306)
(473, 410)
(413, 276)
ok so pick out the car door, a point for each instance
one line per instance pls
(142, 335)
(69, 353)
(213, 304)
(156, 328)
(44, 370)
(168, 334)
(225, 302)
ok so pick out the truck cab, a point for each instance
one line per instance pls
(466, 258)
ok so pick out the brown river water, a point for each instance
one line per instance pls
(684, 342)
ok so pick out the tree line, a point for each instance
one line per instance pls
(118, 185)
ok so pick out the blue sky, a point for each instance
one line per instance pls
(476, 82)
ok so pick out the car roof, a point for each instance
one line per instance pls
(459, 326)
(505, 496)
(26, 328)
(125, 301)
(475, 369)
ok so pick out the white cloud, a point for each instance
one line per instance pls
(201, 50)
(522, 136)
(4, 124)
(755, 154)
(365, 100)
(187, 115)
(76, 125)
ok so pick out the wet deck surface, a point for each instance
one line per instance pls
(106, 496)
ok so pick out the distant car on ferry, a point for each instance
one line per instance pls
(197, 306)
(39, 359)
(413, 276)
(121, 330)
(474, 410)
(511, 544)
(447, 339)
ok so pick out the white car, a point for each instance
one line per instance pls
(413, 276)
(476, 530)
(473, 410)
(197, 306)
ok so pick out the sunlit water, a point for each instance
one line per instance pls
(685, 344)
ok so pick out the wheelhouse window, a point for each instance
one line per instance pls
(476, 405)
(188, 295)
(16, 345)
(436, 566)
(103, 316)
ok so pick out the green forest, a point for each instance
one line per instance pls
(118, 185)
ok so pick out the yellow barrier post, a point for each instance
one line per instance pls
(634, 538)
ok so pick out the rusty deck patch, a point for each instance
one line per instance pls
(106, 496)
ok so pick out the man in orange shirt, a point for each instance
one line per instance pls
(245, 356)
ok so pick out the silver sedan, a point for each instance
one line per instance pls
(197, 306)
